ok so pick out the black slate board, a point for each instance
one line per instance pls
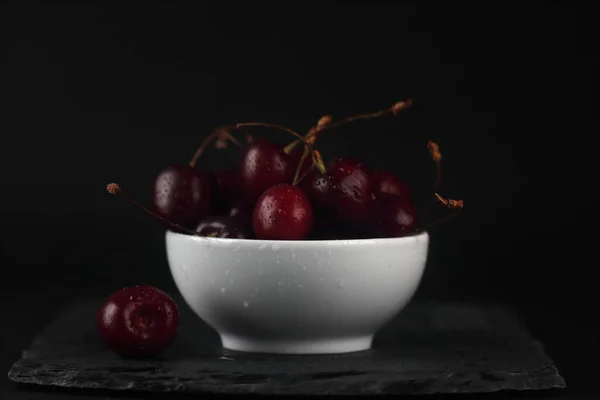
(429, 348)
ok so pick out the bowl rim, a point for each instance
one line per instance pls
(299, 243)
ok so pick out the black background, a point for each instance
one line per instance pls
(98, 93)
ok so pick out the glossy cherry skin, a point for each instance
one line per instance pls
(319, 189)
(386, 182)
(262, 166)
(224, 227)
(138, 321)
(240, 210)
(183, 195)
(394, 216)
(283, 213)
(353, 190)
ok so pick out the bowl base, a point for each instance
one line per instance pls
(297, 346)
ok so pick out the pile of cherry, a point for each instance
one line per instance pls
(286, 192)
(275, 193)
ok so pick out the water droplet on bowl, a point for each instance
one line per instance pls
(223, 290)
(275, 247)
(262, 246)
(226, 272)
(246, 304)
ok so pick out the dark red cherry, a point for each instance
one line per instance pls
(353, 195)
(240, 208)
(183, 195)
(264, 165)
(229, 184)
(138, 321)
(394, 216)
(319, 189)
(386, 182)
(283, 213)
(224, 227)
(229, 191)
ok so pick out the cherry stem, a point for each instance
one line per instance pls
(114, 188)
(222, 135)
(456, 205)
(394, 109)
(449, 203)
(297, 177)
(434, 150)
(317, 159)
(313, 133)
(304, 175)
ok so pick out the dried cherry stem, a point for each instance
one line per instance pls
(310, 137)
(317, 159)
(313, 133)
(114, 188)
(222, 136)
(305, 174)
(451, 204)
(298, 179)
(434, 150)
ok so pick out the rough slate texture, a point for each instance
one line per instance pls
(443, 348)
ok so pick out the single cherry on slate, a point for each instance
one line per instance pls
(183, 194)
(353, 195)
(138, 321)
(224, 227)
(262, 166)
(394, 216)
(283, 213)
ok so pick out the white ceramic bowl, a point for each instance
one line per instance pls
(297, 297)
